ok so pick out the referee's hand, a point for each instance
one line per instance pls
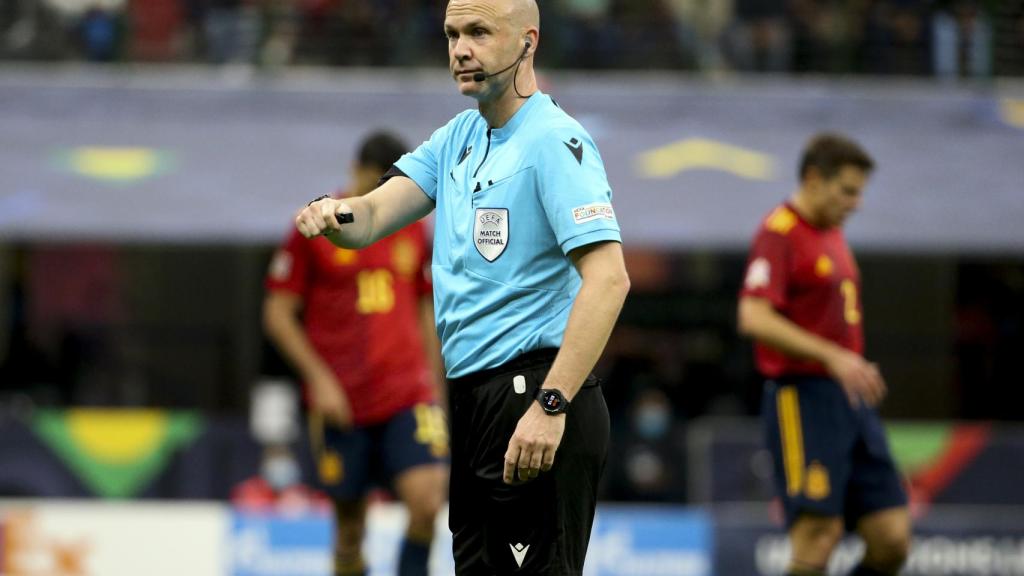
(531, 450)
(319, 217)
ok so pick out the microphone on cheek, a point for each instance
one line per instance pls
(481, 76)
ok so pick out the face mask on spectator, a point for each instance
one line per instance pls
(280, 472)
(652, 422)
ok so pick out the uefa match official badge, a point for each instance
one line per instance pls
(490, 232)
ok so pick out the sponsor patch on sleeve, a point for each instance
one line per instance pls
(590, 212)
(759, 274)
(281, 266)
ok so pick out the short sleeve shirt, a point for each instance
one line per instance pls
(511, 203)
(810, 276)
(367, 321)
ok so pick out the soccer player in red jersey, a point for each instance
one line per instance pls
(366, 358)
(800, 302)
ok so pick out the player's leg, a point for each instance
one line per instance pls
(813, 538)
(422, 489)
(414, 450)
(350, 522)
(886, 535)
(877, 502)
(810, 430)
(342, 463)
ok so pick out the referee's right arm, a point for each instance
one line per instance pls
(392, 206)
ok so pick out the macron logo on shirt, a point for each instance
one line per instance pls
(576, 147)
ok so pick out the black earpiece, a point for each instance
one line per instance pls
(482, 76)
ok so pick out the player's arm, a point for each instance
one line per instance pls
(395, 204)
(591, 319)
(281, 323)
(757, 318)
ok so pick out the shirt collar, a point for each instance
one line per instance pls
(520, 116)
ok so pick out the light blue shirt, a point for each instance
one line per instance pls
(511, 204)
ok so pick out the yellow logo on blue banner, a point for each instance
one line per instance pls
(700, 153)
(1012, 112)
(115, 164)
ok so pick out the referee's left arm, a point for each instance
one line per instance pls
(537, 436)
(593, 315)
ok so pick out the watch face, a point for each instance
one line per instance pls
(552, 401)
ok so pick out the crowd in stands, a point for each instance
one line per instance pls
(946, 38)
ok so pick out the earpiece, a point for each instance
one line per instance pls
(481, 76)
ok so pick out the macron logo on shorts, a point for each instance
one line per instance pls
(519, 551)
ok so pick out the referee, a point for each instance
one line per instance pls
(528, 282)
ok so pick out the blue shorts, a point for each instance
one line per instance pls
(831, 459)
(350, 462)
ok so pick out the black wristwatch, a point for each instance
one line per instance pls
(552, 401)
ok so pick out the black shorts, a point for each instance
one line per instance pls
(831, 459)
(541, 527)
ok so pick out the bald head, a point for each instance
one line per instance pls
(519, 14)
(524, 13)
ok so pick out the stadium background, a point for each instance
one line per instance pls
(152, 153)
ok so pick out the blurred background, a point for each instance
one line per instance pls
(153, 152)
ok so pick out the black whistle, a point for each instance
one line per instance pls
(345, 218)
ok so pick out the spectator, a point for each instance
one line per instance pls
(760, 38)
(231, 29)
(592, 37)
(280, 20)
(699, 25)
(961, 39)
(895, 39)
(1009, 38)
(100, 33)
(652, 467)
(826, 34)
(357, 32)
(649, 32)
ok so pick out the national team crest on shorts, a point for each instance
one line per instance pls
(490, 232)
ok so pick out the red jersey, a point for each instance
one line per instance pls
(362, 315)
(811, 278)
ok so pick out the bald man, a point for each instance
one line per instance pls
(528, 279)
